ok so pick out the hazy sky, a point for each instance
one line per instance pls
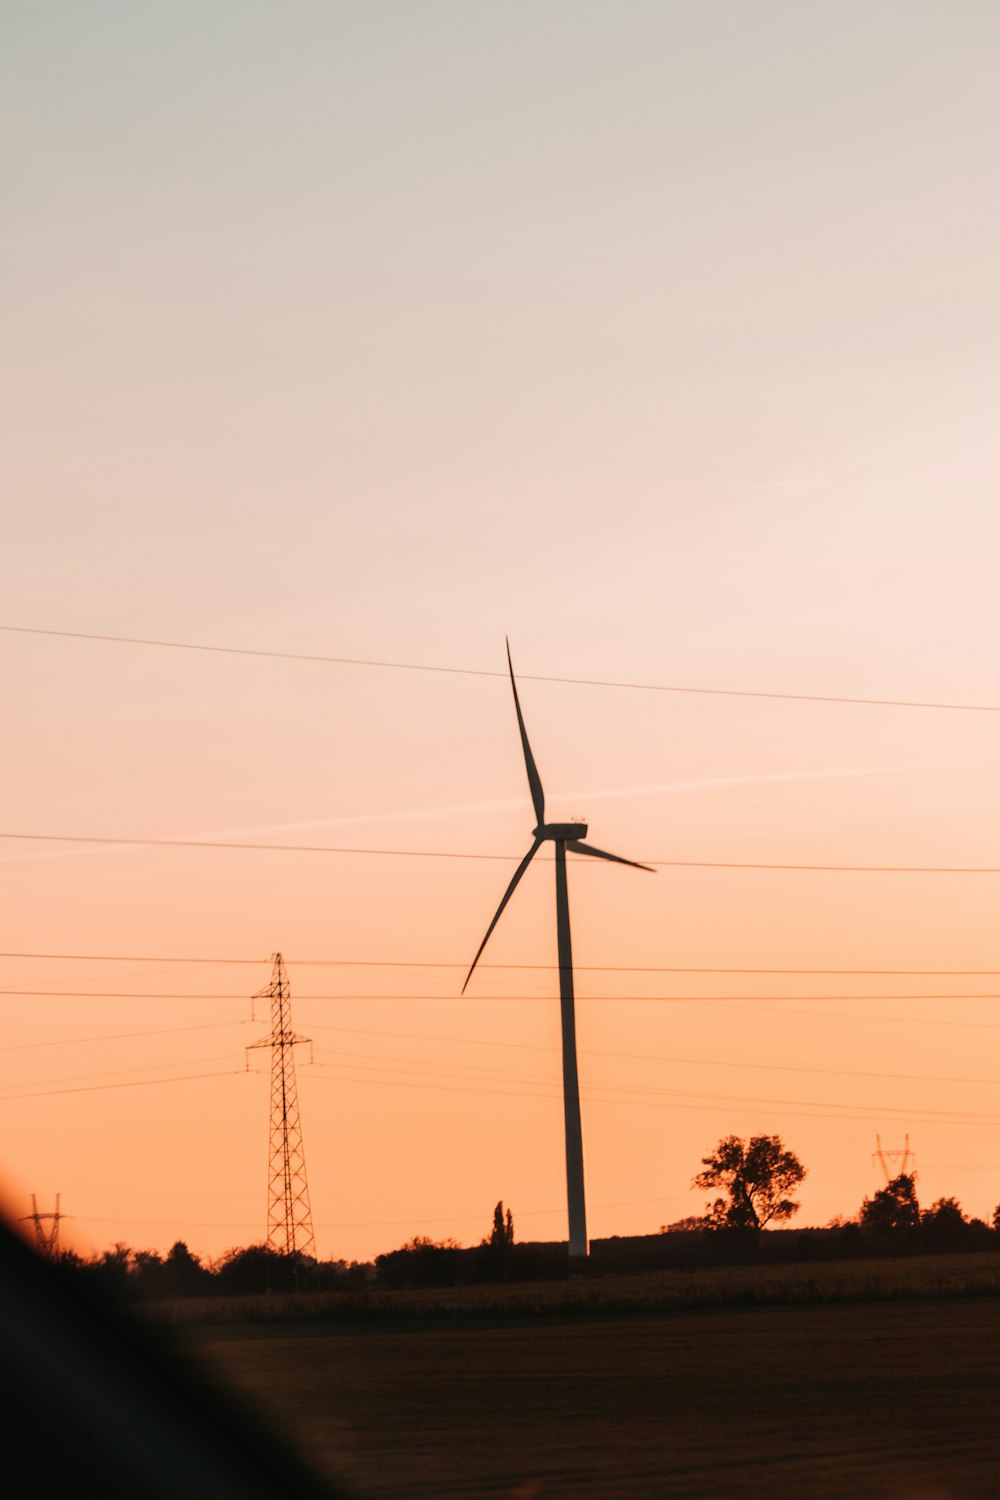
(664, 339)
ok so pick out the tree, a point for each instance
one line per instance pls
(424, 1242)
(757, 1175)
(257, 1268)
(147, 1271)
(945, 1214)
(502, 1233)
(996, 1218)
(421, 1262)
(893, 1208)
(693, 1224)
(944, 1225)
(184, 1273)
(113, 1266)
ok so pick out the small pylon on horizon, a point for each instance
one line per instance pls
(289, 1217)
(900, 1162)
(46, 1238)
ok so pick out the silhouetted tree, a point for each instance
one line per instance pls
(944, 1225)
(146, 1272)
(690, 1225)
(995, 1221)
(757, 1175)
(502, 1233)
(945, 1213)
(183, 1273)
(421, 1262)
(113, 1267)
(893, 1209)
(258, 1268)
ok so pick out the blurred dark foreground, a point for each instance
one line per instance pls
(97, 1402)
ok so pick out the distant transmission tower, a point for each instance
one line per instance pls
(289, 1218)
(46, 1238)
(897, 1163)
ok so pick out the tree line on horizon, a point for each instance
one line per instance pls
(754, 1181)
(758, 1177)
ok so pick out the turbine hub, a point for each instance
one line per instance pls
(561, 831)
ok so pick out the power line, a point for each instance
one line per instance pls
(683, 864)
(707, 1062)
(815, 1110)
(70, 838)
(139, 1083)
(146, 958)
(701, 1062)
(596, 1088)
(739, 1003)
(399, 963)
(407, 666)
(534, 999)
(640, 1094)
(791, 1108)
(148, 995)
(735, 1002)
(788, 1107)
(475, 1214)
(142, 995)
(416, 1067)
(190, 1062)
(114, 1036)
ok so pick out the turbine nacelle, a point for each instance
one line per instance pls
(565, 831)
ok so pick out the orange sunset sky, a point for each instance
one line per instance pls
(663, 339)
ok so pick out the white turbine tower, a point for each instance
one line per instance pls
(564, 836)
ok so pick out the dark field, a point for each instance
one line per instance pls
(863, 1401)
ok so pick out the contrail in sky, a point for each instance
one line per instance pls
(507, 804)
(604, 794)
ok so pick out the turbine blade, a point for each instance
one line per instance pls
(534, 780)
(580, 848)
(526, 861)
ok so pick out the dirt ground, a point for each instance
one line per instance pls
(884, 1401)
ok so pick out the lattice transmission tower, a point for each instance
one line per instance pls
(289, 1217)
(900, 1162)
(46, 1228)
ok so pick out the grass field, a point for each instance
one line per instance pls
(650, 1291)
(878, 1400)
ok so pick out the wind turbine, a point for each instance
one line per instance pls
(564, 836)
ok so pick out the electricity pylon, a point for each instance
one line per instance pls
(897, 1163)
(289, 1217)
(47, 1239)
